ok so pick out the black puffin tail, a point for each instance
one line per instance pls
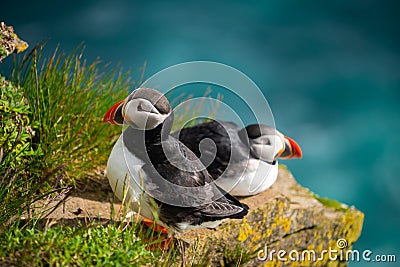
(241, 209)
(243, 213)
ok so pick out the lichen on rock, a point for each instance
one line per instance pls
(286, 217)
(10, 42)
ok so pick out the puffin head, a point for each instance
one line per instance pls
(268, 144)
(143, 109)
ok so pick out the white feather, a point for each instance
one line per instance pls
(257, 177)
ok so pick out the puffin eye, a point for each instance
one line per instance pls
(146, 108)
(266, 142)
(263, 140)
(140, 107)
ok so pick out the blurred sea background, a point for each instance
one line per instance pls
(329, 69)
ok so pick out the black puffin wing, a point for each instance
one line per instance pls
(191, 195)
(181, 179)
(180, 156)
(175, 175)
(176, 187)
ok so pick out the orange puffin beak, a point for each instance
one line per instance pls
(110, 114)
(292, 149)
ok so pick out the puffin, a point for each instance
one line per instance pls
(160, 177)
(242, 161)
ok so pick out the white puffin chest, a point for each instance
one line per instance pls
(126, 176)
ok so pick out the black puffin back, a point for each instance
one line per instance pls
(193, 135)
(224, 135)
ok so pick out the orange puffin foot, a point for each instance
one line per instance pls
(155, 227)
(160, 242)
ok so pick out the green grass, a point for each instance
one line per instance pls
(17, 187)
(237, 256)
(190, 111)
(93, 245)
(67, 246)
(68, 98)
(52, 134)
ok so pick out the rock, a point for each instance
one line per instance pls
(10, 42)
(286, 217)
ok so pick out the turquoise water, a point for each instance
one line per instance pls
(330, 71)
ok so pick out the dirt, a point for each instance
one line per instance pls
(91, 201)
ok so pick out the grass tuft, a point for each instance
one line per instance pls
(188, 113)
(18, 188)
(52, 133)
(96, 245)
(237, 256)
(68, 98)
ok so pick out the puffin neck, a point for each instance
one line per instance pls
(143, 143)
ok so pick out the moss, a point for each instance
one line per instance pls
(331, 203)
(236, 256)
